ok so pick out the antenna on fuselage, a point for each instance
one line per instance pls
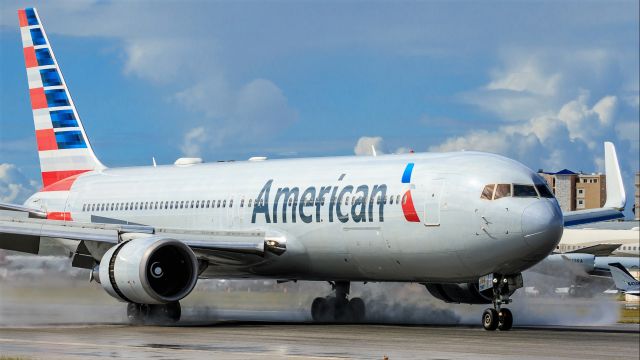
(373, 150)
(153, 159)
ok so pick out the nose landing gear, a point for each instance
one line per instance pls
(338, 307)
(498, 317)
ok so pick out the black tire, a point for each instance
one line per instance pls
(318, 307)
(343, 311)
(173, 311)
(135, 315)
(505, 320)
(356, 305)
(490, 319)
(165, 314)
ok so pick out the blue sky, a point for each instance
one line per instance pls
(543, 82)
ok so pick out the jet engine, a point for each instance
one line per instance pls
(149, 270)
(466, 293)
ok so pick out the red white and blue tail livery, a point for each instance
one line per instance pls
(63, 147)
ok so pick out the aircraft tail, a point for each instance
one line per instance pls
(63, 147)
(624, 280)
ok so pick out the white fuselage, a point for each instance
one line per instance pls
(340, 215)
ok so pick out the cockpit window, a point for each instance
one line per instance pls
(487, 192)
(502, 190)
(544, 191)
(524, 191)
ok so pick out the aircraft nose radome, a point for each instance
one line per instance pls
(542, 225)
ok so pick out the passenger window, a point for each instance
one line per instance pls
(391, 200)
(84, 206)
(524, 191)
(193, 203)
(231, 203)
(219, 203)
(398, 199)
(208, 202)
(242, 203)
(487, 192)
(404, 199)
(224, 203)
(346, 200)
(502, 190)
(249, 204)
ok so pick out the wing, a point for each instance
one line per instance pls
(19, 232)
(597, 250)
(616, 198)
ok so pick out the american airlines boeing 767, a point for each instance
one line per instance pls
(464, 224)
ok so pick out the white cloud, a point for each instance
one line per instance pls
(525, 76)
(550, 141)
(365, 143)
(193, 141)
(14, 187)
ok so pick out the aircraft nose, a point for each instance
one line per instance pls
(542, 225)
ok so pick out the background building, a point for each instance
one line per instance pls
(577, 191)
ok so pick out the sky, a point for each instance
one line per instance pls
(543, 82)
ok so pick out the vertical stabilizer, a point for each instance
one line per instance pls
(63, 147)
(616, 197)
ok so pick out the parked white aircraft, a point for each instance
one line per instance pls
(466, 224)
(600, 242)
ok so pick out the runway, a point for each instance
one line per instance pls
(251, 340)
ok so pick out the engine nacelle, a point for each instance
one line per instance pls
(466, 293)
(149, 270)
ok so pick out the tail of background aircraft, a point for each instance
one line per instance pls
(63, 147)
(624, 281)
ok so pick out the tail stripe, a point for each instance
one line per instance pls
(63, 147)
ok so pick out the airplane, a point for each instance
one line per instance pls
(625, 282)
(464, 224)
(600, 242)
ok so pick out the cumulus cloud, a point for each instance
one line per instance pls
(551, 141)
(193, 141)
(525, 76)
(14, 186)
(365, 144)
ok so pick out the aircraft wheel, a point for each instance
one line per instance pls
(342, 310)
(490, 319)
(318, 307)
(356, 305)
(505, 319)
(164, 314)
(135, 313)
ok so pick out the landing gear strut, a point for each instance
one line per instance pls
(338, 307)
(499, 317)
(152, 314)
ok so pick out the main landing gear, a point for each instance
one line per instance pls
(338, 307)
(164, 314)
(498, 317)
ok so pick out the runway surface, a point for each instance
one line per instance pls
(251, 340)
